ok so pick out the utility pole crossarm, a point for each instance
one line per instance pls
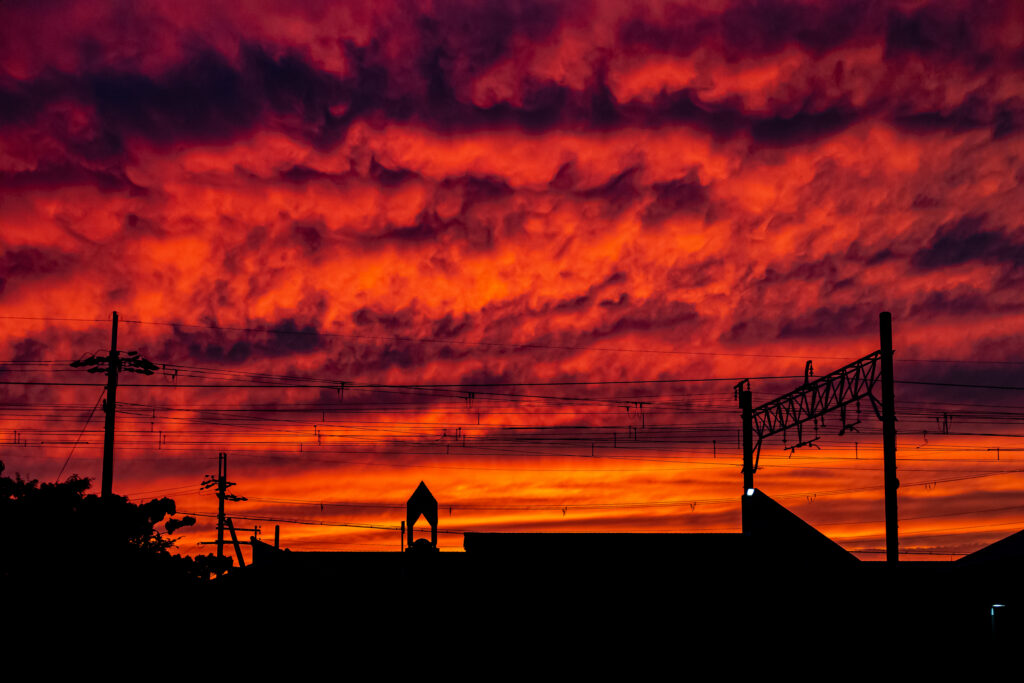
(830, 392)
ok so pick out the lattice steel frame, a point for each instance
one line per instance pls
(834, 391)
(839, 388)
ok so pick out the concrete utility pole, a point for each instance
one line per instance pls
(222, 489)
(747, 407)
(221, 485)
(892, 542)
(110, 407)
(113, 365)
(746, 399)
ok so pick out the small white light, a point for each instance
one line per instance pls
(750, 492)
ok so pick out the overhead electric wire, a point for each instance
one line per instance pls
(550, 424)
(79, 439)
(52, 319)
(419, 340)
(315, 522)
(961, 386)
(427, 340)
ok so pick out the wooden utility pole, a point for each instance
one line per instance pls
(892, 543)
(110, 407)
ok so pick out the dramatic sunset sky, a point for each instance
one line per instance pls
(470, 243)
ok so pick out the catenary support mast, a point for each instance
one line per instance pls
(892, 544)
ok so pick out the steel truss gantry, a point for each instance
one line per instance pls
(815, 399)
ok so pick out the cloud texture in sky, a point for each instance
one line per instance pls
(551, 182)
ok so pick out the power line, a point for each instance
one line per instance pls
(428, 340)
(49, 319)
(334, 384)
(347, 385)
(909, 552)
(432, 397)
(936, 516)
(79, 439)
(963, 386)
(316, 522)
(961, 360)
(419, 340)
(524, 507)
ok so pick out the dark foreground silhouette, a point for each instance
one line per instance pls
(97, 575)
(57, 536)
(780, 584)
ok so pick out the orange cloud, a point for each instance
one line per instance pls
(493, 197)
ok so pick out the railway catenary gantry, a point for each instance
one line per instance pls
(815, 399)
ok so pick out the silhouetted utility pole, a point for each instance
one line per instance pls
(892, 542)
(746, 399)
(222, 485)
(110, 407)
(113, 364)
(234, 542)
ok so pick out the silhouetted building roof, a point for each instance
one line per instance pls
(772, 535)
(591, 544)
(1009, 550)
(778, 534)
(780, 576)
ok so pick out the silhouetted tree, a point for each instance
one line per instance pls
(56, 534)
